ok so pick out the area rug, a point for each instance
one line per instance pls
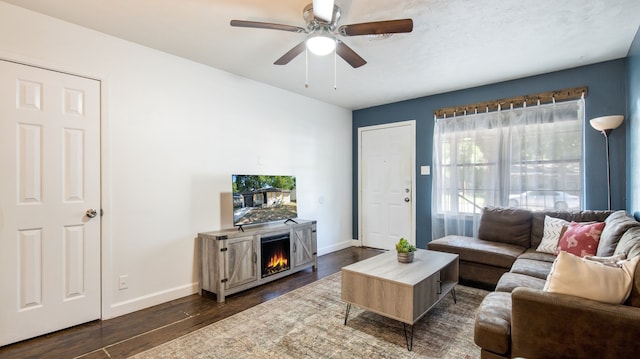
(309, 323)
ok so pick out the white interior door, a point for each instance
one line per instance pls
(386, 179)
(50, 166)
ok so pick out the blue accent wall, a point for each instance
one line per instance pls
(633, 127)
(606, 84)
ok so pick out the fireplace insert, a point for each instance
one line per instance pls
(276, 256)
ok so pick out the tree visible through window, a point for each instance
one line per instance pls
(527, 158)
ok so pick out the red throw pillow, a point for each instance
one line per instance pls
(581, 239)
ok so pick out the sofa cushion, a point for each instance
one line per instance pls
(583, 278)
(616, 225)
(634, 296)
(629, 244)
(531, 267)
(510, 281)
(539, 256)
(553, 229)
(506, 225)
(581, 239)
(478, 251)
(492, 329)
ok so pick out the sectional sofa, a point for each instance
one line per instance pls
(532, 314)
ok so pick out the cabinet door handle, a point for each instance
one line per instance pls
(255, 257)
(294, 248)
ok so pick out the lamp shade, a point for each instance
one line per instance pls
(321, 44)
(606, 122)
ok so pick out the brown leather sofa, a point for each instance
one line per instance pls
(519, 319)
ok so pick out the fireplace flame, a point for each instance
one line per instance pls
(277, 261)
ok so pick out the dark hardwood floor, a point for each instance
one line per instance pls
(133, 333)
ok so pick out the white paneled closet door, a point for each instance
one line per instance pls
(49, 193)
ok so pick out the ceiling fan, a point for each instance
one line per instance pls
(322, 17)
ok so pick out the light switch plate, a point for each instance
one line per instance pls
(425, 170)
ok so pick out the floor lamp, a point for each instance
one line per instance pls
(605, 125)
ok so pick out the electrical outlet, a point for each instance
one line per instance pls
(124, 282)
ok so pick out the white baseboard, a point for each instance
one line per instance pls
(149, 300)
(337, 246)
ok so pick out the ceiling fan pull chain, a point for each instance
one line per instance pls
(306, 68)
(335, 76)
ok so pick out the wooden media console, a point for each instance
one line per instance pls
(232, 261)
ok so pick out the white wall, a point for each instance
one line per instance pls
(173, 132)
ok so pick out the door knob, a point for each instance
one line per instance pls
(406, 199)
(91, 213)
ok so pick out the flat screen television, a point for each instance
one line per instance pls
(263, 198)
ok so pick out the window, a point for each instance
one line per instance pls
(529, 157)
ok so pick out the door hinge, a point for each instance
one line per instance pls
(224, 249)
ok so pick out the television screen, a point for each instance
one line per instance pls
(261, 199)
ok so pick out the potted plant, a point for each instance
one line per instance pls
(405, 251)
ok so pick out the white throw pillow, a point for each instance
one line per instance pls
(583, 278)
(616, 260)
(551, 234)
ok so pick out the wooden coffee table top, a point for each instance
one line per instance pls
(386, 266)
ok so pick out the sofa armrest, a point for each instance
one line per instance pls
(551, 325)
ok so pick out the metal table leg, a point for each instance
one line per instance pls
(408, 337)
(346, 315)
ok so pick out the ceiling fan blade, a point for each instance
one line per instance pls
(323, 9)
(291, 54)
(377, 28)
(348, 55)
(266, 25)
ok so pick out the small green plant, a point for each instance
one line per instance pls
(403, 246)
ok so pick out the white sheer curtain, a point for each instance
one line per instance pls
(530, 157)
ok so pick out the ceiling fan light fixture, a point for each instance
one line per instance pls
(321, 44)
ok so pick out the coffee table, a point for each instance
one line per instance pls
(400, 291)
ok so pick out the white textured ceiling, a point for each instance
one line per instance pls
(455, 44)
